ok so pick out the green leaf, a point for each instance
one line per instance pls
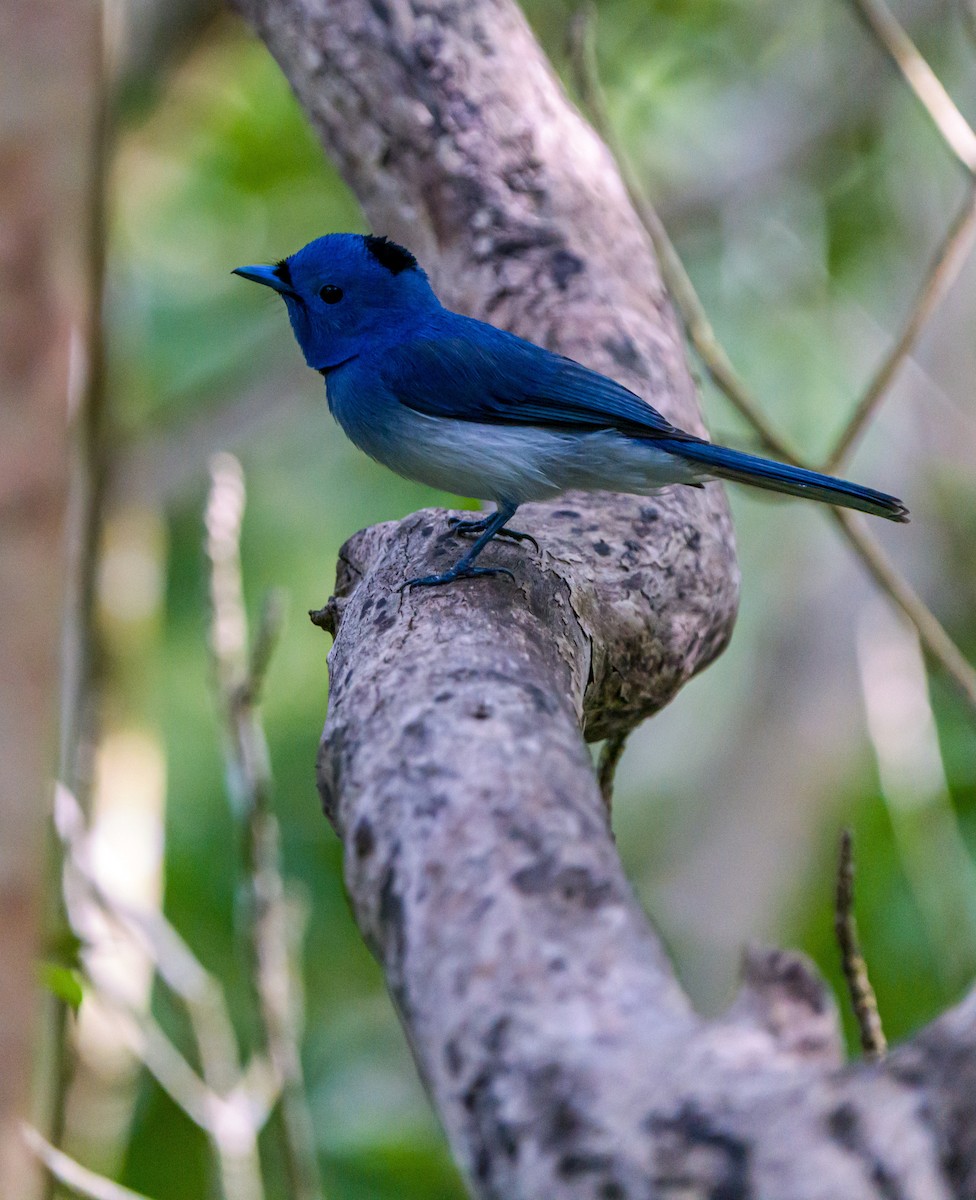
(63, 982)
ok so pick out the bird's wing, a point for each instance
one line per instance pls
(497, 378)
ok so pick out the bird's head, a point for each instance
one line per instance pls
(346, 291)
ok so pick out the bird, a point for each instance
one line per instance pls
(469, 408)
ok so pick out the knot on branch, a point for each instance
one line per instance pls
(784, 994)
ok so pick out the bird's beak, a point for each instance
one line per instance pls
(261, 274)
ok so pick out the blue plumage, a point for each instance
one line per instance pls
(463, 406)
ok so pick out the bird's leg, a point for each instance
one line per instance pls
(463, 527)
(464, 568)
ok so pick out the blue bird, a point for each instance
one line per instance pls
(467, 408)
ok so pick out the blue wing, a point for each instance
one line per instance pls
(486, 375)
(475, 372)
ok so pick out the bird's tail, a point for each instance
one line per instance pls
(723, 463)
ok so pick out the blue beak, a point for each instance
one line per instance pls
(262, 274)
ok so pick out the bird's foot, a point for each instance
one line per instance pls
(458, 572)
(465, 527)
(460, 525)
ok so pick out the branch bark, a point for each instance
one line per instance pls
(562, 1055)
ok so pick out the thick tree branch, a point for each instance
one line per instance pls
(561, 1053)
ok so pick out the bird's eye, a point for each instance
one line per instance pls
(330, 293)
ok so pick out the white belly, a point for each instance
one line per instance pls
(516, 463)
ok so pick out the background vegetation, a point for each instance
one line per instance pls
(806, 192)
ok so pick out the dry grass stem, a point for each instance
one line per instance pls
(863, 999)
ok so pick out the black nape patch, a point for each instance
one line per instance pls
(283, 271)
(388, 254)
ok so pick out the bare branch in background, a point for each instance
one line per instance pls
(956, 131)
(71, 1174)
(863, 1000)
(957, 245)
(271, 938)
(230, 1105)
(948, 262)
(942, 274)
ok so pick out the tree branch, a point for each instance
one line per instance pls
(561, 1053)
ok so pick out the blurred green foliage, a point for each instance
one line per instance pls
(806, 193)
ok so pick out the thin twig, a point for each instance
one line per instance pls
(71, 1174)
(942, 274)
(934, 638)
(240, 680)
(863, 1000)
(931, 633)
(610, 755)
(951, 124)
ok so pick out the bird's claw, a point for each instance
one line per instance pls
(455, 573)
(458, 525)
(518, 535)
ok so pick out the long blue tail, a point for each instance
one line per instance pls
(729, 464)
